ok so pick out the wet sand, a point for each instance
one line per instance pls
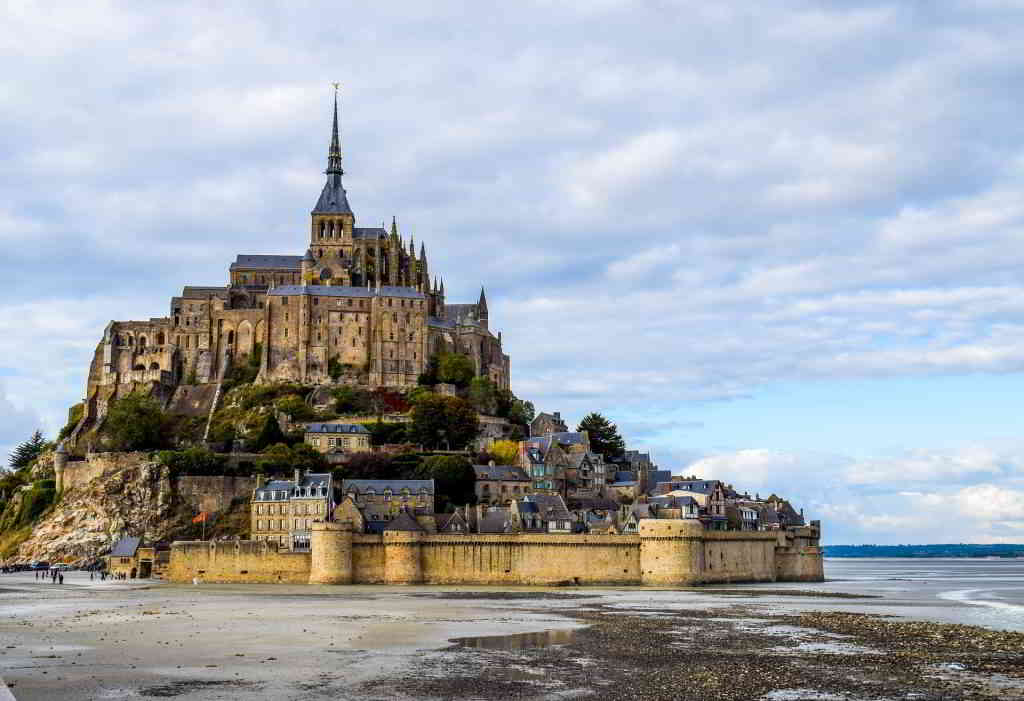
(92, 640)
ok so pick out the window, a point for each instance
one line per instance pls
(284, 301)
(316, 301)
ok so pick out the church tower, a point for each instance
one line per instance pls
(332, 219)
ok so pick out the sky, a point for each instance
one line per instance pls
(778, 243)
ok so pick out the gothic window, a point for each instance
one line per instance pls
(326, 274)
(142, 341)
(231, 337)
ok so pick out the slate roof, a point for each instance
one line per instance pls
(593, 503)
(440, 323)
(200, 292)
(359, 232)
(674, 501)
(445, 521)
(333, 199)
(625, 476)
(493, 521)
(404, 522)
(697, 486)
(126, 547)
(339, 291)
(462, 313)
(335, 428)
(260, 262)
(396, 486)
(501, 472)
(563, 437)
(311, 479)
(549, 507)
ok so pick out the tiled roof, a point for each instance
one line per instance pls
(368, 233)
(396, 486)
(335, 428)
(339, 291)
(261, 262)
(500, 472)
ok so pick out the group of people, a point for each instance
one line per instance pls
(55, 575)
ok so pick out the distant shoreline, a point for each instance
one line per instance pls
(1008, 551)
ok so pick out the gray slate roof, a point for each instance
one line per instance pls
(335, 428)
(501, 472)
(698, 486)
(362, 232)
(461, 313)
(494, 521)
(201, 292)
(311, 479)
(333, 199)
(396, 486)
(404, 522)
(549, 507)
(260, 262)
(339, 291)
(126, 547)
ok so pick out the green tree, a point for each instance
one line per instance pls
(270, 434)
(604, 436)
(350, 400)
(443, 422)
(521, 412)
(192, 461)
(454, 480)
(136, 423)
(27, 451)
(306, 457)
(483, 394)
(334, 368)
(455, 369)
(294, 406)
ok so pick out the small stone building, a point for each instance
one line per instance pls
(131, 558)
(344, 438)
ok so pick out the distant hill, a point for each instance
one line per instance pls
(937, 550)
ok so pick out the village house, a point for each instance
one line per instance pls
(709, 494)
(382, 500)
(545, 424)
(283, 511)
(338, 438)
(541, 513)
(500, 484)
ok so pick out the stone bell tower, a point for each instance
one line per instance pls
(330, 239)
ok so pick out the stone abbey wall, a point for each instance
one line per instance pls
(664, 553)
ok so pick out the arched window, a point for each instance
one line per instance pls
(326, 274)
(160, 339)
(231, 337)
(142, 341)
(154, 366)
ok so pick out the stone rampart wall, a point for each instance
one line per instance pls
(664, 553)
(530, 559)
(80, 472)
(241, 561)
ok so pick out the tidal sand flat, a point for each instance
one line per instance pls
(861, 635)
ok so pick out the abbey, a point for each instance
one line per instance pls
(360, 307)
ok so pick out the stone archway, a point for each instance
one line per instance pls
(244, 340)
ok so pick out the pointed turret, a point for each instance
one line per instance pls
(481, 305)
(394, 226)
(333, 199)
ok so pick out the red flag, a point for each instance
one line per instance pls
(201, 518)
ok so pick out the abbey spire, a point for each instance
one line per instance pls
(333, 199)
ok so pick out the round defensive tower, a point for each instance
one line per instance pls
(60, 461)
(330, 546)
(403, 558)
(671, 551)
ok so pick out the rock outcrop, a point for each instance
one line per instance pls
(87, 519)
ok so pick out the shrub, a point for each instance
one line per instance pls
(192, 461)
(136, 423)
(443, 422)
(74, 416)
